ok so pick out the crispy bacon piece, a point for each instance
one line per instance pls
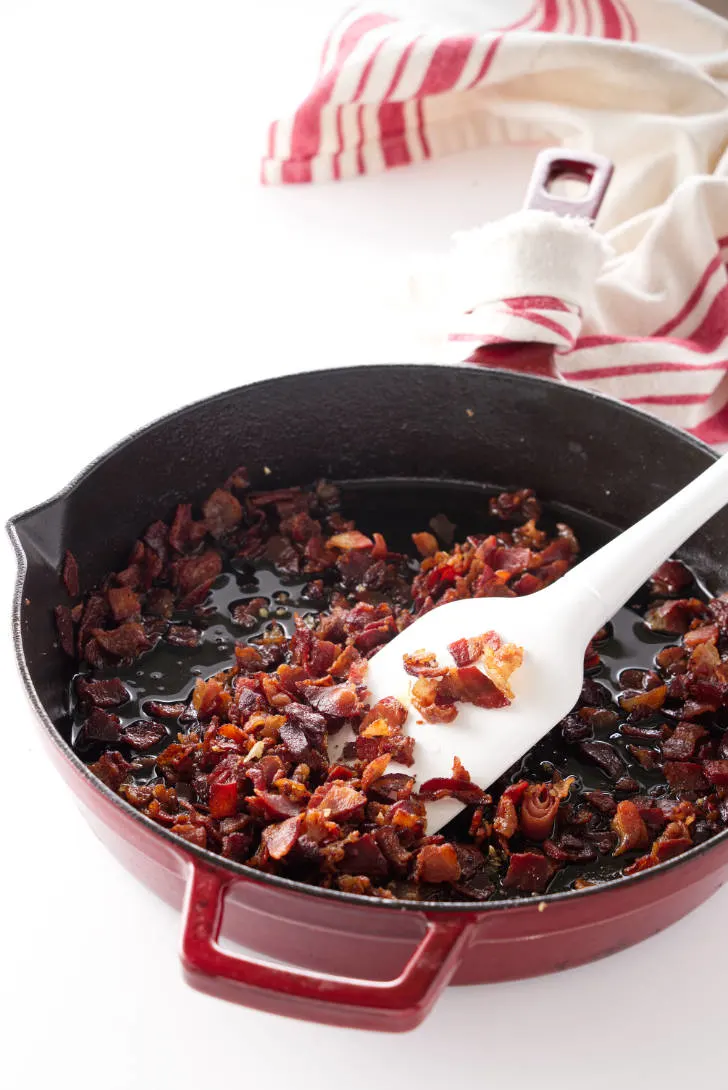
(670, 578)
(680, 746)
(428, 700)
(70, 574)
(423, 664)
(338, 801)
(506, 816)
(143, 735)
(350, 539)
(425, 543)
(685, 776)
(222, 511)
(629, 827)
(673, 841)
(127, 641)
(110, 693)
(539, 806)
(675, 616)
(440, 787)
(465, 652)
(280, 839)
(124, 602)
(529, 872)
(337, 701)
(471, 686)
(716, 772)
(437, 863)
(515, 505)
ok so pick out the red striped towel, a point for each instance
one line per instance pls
(643, 82)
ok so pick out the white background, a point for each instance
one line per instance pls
(141, 266)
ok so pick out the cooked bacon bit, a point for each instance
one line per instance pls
(195, 834)
(506, 816)
(423, 664)
(351, 539)
(515, 505)
(529, 872)
(374, 770)
(70, 574)
(605, 756)
(159, 602)
(196, 571)
(183, 635)
(338, 701)
(223, 799)
(472, 686)
(127, 641)
(674, 841)
(340, 801)
(424, 695)
(459, 771)
(560, 787)
(685, 776)
(538, 811)
(651, 700)
(681, 745)
(207, 697)
(648, 758)
(101, 726)
(111, 769)
(143, 734)
(279, 839)
(102, 694)
(670, 578)
(707, 633)
(222, 512)
(717, 772)
(499, 662)
(440, 787)
(239, 479)
(185, 534)
(124, 602)
(425, 543)
(362, 856)
(390, 709)
(629, 827)
(437, 863)
(465, 652)
(674, 616)
(378, 729)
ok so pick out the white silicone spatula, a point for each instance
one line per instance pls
(552, 626)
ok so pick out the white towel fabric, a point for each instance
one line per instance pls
(644, 83)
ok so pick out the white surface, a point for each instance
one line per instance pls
(135, 246)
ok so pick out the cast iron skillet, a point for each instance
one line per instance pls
(446, 425)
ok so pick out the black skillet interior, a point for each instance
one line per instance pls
(411, 441)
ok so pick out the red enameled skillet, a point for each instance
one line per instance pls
(363, 962)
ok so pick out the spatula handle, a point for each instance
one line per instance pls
(554, 163)
(606, 580)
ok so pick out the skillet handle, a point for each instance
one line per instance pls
(554, 163)
(393, 1005)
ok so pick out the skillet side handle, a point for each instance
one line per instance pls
(392, 1005)
(595, 170)
(552, 163)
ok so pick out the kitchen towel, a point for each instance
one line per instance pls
(642, 82)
